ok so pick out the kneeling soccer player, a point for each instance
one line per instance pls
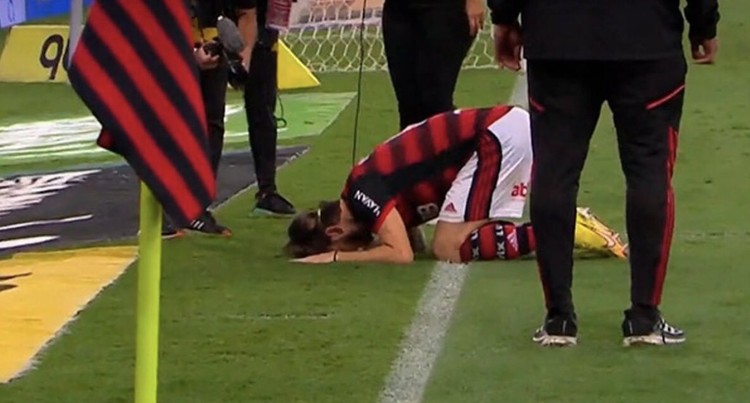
(469, 169)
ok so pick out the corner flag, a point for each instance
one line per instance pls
(134, 69)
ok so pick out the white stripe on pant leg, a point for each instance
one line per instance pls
(423, 340)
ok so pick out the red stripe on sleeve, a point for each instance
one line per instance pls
(383, 215)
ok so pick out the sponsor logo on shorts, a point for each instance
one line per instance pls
(450, 208)
(520, 190)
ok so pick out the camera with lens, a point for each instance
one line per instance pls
(237, 73)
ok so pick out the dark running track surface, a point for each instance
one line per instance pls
(94, 205)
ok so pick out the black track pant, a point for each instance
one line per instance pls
(425, 47)
(260, 105)
(566, 98)
(214, 90)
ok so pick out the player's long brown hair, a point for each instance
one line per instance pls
(307, 231)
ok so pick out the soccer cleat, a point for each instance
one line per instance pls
(273, 204)
(207, 224)
(592, 234)
(640, 330)
(560, 331)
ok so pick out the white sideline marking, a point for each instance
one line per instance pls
(46, 222)
(424, 338)
(35, 240)
(423, 341)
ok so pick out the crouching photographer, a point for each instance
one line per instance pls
(222, 58)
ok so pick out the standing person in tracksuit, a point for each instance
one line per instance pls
(581, 54)
(260, 105)
(426, 42)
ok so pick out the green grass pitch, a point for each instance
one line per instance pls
(241, 324)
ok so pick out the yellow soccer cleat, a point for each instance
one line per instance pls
(593, 235)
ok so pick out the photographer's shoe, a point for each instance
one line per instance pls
(207, 224)
(273, 204)
(168, 231)
(558, 330)
(642, 329)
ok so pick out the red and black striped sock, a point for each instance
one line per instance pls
(499, 240)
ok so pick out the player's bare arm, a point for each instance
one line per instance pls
(333, 234)
(393, 245)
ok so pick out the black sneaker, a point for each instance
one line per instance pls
(273, 204)
(168, 231)
(640, 330)
(559, 330)
(207, 224)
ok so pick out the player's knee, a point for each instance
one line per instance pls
(440, 253)
(444, 250)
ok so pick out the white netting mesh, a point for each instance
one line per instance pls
(324, 34)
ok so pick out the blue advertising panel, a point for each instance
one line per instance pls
(38, 9)
(12, 12)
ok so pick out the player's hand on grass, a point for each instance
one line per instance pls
(475, 13)
(705, 50)
(327, 257)
(204, 60)
(508, 46)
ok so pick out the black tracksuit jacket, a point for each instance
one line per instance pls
(606, 29)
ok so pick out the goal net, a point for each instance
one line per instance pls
(325, 35)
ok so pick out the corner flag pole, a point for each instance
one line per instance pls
(147, 311)
(75, 28)
(149, 266)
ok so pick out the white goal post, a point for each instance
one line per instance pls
(325, 34)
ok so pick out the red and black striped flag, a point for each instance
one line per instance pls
(135, 70)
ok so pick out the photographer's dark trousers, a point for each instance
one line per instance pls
(425, 47)
(214, 89)
(260, 104)
(565, 99)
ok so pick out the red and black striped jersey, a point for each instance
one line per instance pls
(413, 170)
